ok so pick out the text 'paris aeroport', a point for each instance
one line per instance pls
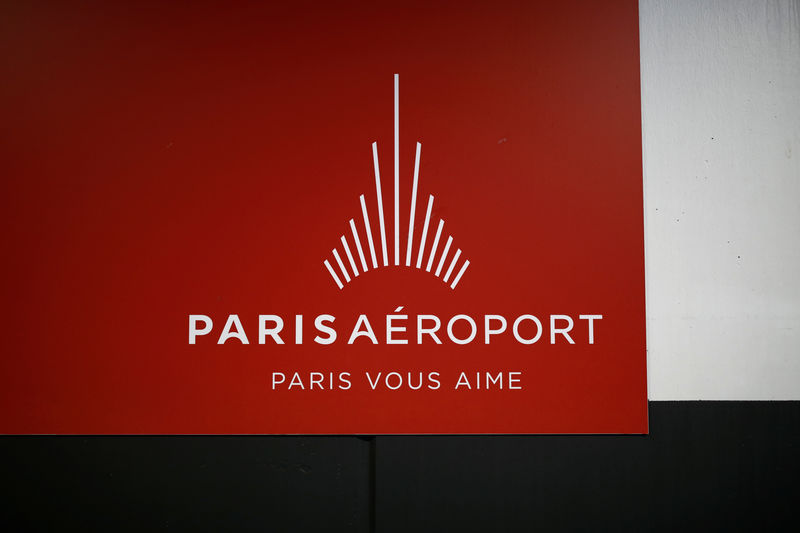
(400, 329)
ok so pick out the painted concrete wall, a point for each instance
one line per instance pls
(721, 132)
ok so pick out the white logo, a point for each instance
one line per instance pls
(410, 240)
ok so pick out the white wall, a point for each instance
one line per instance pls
(721, 125)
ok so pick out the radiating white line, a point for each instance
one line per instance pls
(452, 265)
(444, 255)
(341, 265)
(460, 273)
(397, 169)
(435, 244)
(349, 256)
(380, 203)
(369, 232)
(424, 231)
(358, 246)
(333, 274)
(413, 208)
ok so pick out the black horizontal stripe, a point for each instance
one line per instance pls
(704, 466)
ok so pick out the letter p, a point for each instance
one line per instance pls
(193, 331)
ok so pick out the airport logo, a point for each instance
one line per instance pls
(443, 268)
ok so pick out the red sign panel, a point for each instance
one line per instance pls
(323, 219)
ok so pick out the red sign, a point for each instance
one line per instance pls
(361, 219)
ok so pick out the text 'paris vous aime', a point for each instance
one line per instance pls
(401, 329)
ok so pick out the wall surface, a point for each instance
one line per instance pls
(721, 125)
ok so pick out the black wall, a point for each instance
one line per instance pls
(705, 465)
